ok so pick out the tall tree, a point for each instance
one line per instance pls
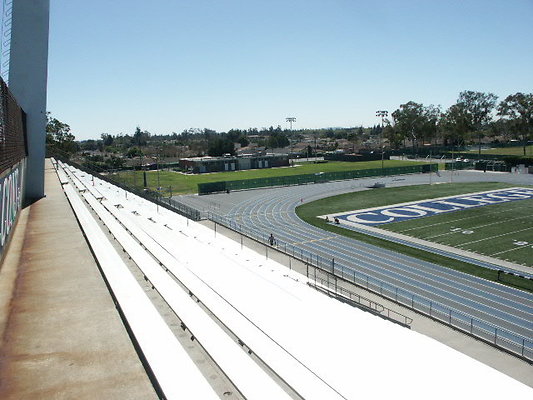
(454, 125)
(430, 122)
(58, 135)
(409, 121)
(478, 107)
(517, 110)
(140, 138)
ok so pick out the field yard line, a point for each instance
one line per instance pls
(478, 226)
(458, 219)
(492, 237)
(513, 249)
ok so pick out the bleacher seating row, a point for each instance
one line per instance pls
(175, 372)
(123, 221)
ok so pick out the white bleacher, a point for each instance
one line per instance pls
(81, 186)
(246, 375)
(63, 178)
(356, 353)
(303, 381)
(175, 372)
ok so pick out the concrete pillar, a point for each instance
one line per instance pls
(28, 71)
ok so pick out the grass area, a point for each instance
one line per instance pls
(509, 151)
(504, 231)
(381, 197)
(185, 183)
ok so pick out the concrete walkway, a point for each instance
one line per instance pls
(61, 335)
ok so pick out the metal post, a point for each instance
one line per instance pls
(430, 167)
(471, 325)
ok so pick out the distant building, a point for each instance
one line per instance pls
(232, 163)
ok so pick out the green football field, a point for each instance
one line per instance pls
(503, 231)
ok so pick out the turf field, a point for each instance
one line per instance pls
(485, 237)
(504, 231)
(179, 183)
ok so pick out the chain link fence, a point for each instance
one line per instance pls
(13, 147)
(291, 180)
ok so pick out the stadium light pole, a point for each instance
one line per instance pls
(382, 114)
(290, 120)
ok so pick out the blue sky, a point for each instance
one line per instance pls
(169, 65)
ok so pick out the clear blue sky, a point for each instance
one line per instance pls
(168, 65)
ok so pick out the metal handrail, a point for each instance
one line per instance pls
(377, 308)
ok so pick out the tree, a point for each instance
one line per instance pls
(409, 122)
(430, 122)
(114, 162)
(107, 139)
(517, 111)
(243, 141)
(140, 138)
(454, 125)
(277, 138)
(478, 107)
(220, 146)
(393, 135)
(58, 135)
(134, 152)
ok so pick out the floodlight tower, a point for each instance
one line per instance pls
(382, 114)
(290, 120)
